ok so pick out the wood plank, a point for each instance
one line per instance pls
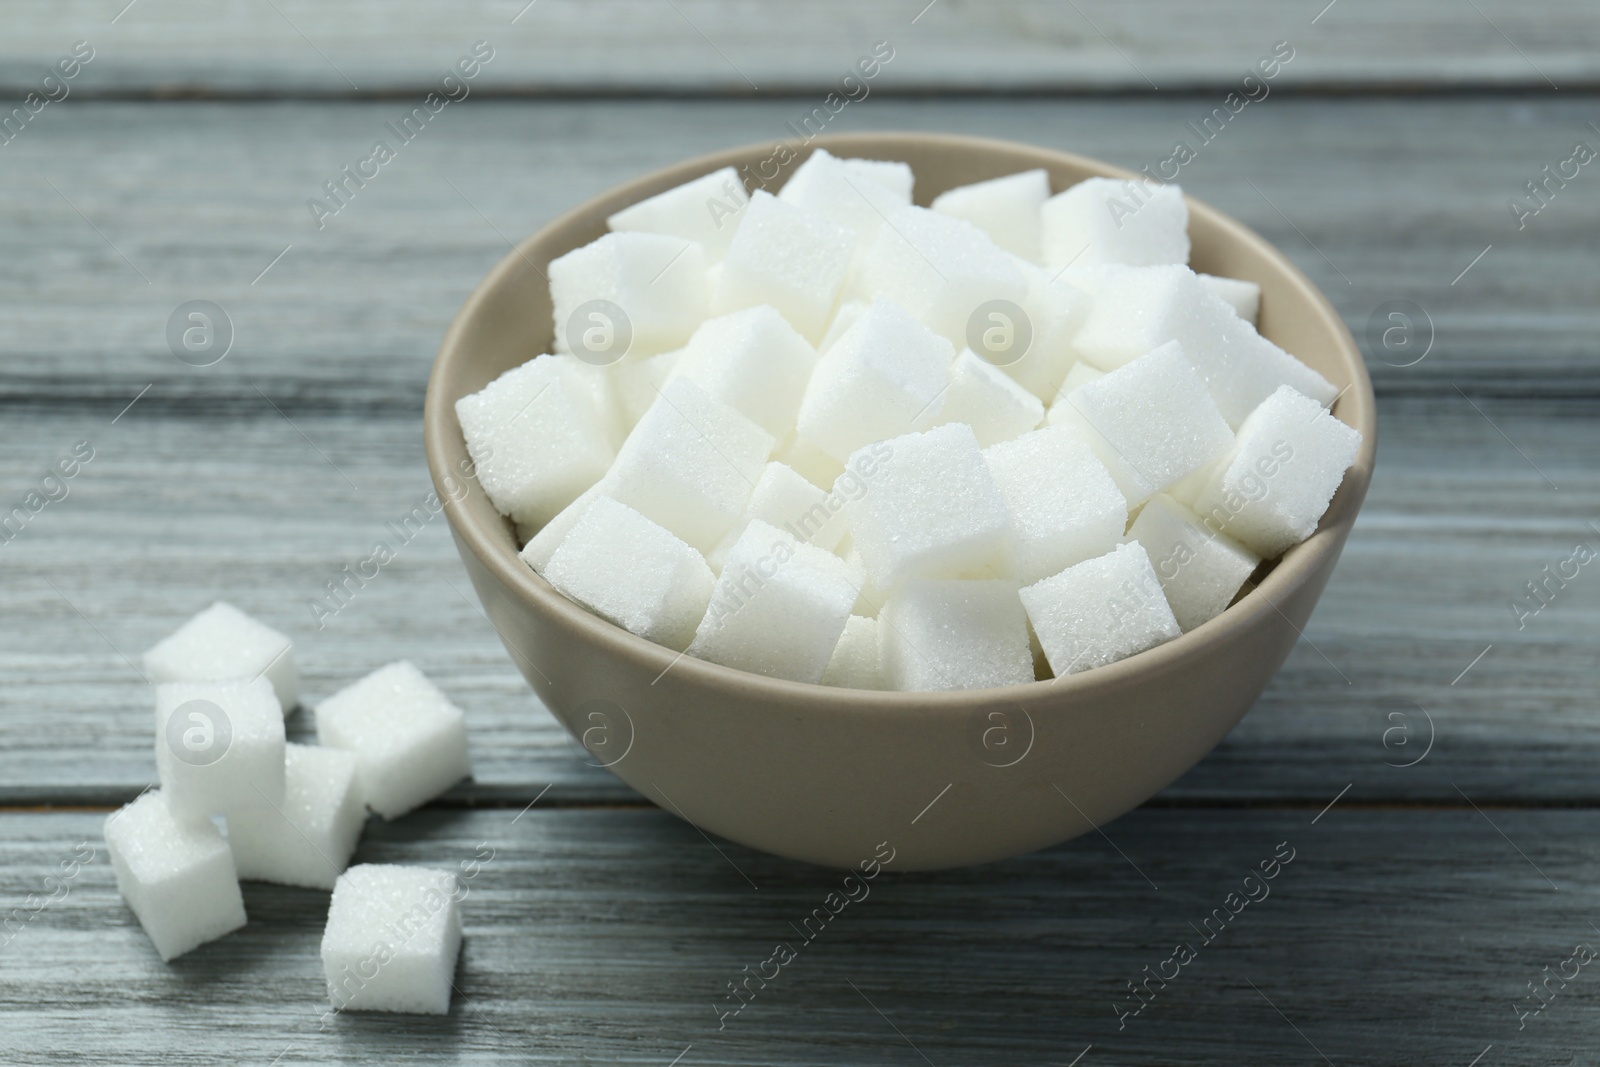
(742, 46)
(610, 937)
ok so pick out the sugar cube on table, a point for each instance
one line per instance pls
(790, 257)
(1270, 492)
(930, 508)
(854, 193)
(1100, 611)
(753, 361)
(1112, 220)
(1064, 504)
(409, 741)
(219, 745)
(222, 643)
(984, 397)
(1244, 297)
(778, 608)
(854, 663)
(1007, 209)
(955, 635)
(785, 499)
(538, 438)
(176, 874)
(1200, 571)
(627, 294)
(392, 939)
(690, 464)
(628, 569)
(885, 375)
(705, 210)
(308, 838)
(1040, 342)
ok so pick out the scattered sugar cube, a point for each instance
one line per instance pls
(176, 874)
(219, 745)
(785, 499)
(1244, 297)
(790, 257)
(392, 939)
(1064, 504)
(1200, 571)
(986, 398)
(658, 282)
(854, 664)
(538, 438)
(1052, 312)
(636, 384)
(542, 545)
(753, 361)
(690, 464)
(626, 568)
(955, 635)
(1151, 421)
(222, 643)
(1111, 220)
(887, 374)
(809, 461)
(409, 741)
(705, 210)
(778, 608)
(306, 840)
(1272, 489)
(1007, 209)
(1099, 611)
(928, 508)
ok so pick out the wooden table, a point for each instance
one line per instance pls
(1428, 756)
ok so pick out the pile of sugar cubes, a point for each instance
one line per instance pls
(830, 436)
(224, 684)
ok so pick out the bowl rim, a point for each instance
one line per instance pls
(1292, 570)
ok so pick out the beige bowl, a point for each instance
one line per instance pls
(827, 775)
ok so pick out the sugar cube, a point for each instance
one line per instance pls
(392, 939)
(542, 544)
(1200, 571)
(626, 568)
(1244, 297)
(893, 175)
(1270, 492)
(928, 508)
(1040, 342)
(1007, 209)
(306, 840)
(809, 461)
(1080, 373)
(778, 608)
(785, 499)
(984, 397)
(854, 663)
(842, 320)
(409, 741)
(221, 643)
(1109, 220)
(886, 375)
(538, 438)
(705, 210)
(690, 464)
(219, 745)
(176, 874)
(1064, 504)
(955, 635)
(1099, 611)
(753, 361)
(790, 257)
(636, 383)
(628, 294)
(855, 193)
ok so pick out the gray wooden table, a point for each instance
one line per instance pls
(1429, 757)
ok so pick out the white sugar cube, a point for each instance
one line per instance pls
(929, 508)
(790, 257)
(785, 499)
(306, 840)
(1272, 489)
(636, 384)
(626, 568)
(1040, 343)
(1064, 504)
(538, 438)
(392, 939)
(778, 608)
(542, 545)
(1007, 209)
(842, 320)
(1200, 571)
(219, 745)
(409, 741)
(893, 175)
(986, 398)
(854, 663)
(690, 464)
(222, 643)
(657, 282)
(855, 193)
(886, 375)
(753, 361)
(176, 874)
(1079, 373)
(1099, 611)
(1244, 297)
(955, 635)
(809, 461)
(1110, 220)
(1151, 421)
(705, 210)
